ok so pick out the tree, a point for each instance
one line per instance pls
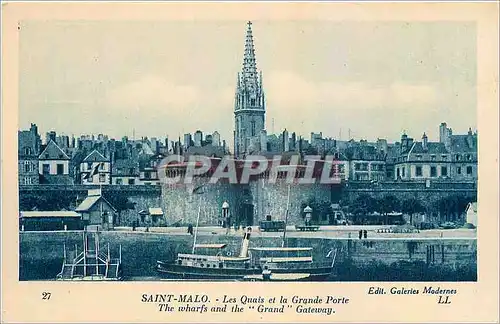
(386, 205)
(363, 205)
(412, 206)
(452, 206)
(56, 200)
(322, 210)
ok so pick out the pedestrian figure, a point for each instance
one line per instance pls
(360, 234)
(190, 229)
(266, 274)
(365, 233)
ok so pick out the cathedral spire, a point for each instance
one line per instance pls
(249, 105)
(249, 71)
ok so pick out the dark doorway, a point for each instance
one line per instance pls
(246, 214)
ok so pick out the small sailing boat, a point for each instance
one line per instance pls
(90, 264)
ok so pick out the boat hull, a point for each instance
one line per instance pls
(175, 271)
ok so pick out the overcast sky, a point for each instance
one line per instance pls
(169, 78)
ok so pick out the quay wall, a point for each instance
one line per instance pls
(367, 260)
(248, 203)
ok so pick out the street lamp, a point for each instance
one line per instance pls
(225, 215)
(308, 211)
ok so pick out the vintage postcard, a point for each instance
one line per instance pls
(249, 162)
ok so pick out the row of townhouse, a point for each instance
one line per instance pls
(453, 158)
(51, 164)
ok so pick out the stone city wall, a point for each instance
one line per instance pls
(180, 202)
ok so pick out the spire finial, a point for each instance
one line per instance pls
(249, 75)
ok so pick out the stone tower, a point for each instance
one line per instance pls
(249, 103)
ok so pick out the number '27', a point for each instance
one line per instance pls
(46, 295)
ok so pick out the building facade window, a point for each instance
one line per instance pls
(28, 181)
(444, 171)
(46, 168)
(459, 170)
(131, 181)
(119, 181)
(102, 177)
(469, 170)
(418, 171)
(60, 168)
(433, 158)
(403, 172)
(433, 171)
(27, 166)
(28, 151)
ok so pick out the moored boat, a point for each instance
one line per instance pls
(281, 263)
(208, 261)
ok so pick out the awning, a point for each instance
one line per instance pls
(52, 214)
(155, 211)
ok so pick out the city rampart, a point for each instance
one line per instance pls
(248, 203)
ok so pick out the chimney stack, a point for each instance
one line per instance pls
(470, 142)
(424, 142)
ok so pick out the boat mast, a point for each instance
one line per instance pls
(96, 254)
(84, 253)
(286, 218)
(197, 222)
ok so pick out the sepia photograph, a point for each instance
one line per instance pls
(250, 149)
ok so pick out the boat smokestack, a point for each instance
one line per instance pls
(245, 243)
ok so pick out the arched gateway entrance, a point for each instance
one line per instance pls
(246, 209)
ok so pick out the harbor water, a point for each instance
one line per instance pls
(380, 259)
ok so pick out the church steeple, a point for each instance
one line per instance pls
(249, 103)
(249, 71)
(249, 92)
